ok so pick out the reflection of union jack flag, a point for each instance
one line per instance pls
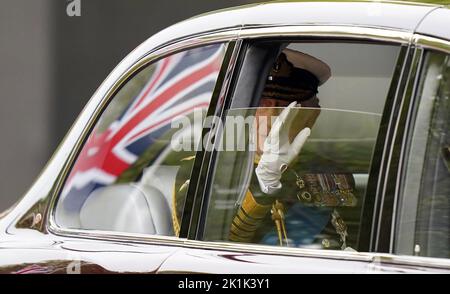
(35, 269)
(180, 84)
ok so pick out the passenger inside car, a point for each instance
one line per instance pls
(285, 205)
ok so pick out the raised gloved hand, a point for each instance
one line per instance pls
(278, 152)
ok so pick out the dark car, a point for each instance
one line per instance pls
(162, 173)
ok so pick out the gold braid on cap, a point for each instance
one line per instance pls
(287, 82)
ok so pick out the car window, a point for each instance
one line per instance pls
(125, 175)
(292, 168)
(424, 209)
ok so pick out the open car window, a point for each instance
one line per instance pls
(277, 188)
(330, 175)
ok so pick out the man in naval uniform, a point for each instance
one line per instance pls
(290, 203)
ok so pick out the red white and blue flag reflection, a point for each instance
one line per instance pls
(180, 84)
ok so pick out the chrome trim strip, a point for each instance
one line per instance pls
(320, 253)
(415, 261)
(118, 236)
(334, 31)
(208, 38)
(279, 250)
(431, 43)
(424, 42)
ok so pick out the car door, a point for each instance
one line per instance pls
(116, 208)
(351, 134)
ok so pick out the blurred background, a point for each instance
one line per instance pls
(51, 64)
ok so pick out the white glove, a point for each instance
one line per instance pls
(278, 152)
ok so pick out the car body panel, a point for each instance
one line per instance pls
(33, 252)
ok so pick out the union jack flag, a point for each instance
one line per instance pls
(179, 85)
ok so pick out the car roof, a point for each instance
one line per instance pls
(402, 16)
(428, 19)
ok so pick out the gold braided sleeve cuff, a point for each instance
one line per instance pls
(247, 220)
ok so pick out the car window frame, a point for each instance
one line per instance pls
(128, 74)
(424, 45)
(304, 35)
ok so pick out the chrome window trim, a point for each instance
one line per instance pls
(385, 159)
(395, 126)
(370, 258)
(209, 245)
(279, 250)
(422, 44)
(335, 31)
(329, 254)
(415, 261)
(328, 31)
(221, 108)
